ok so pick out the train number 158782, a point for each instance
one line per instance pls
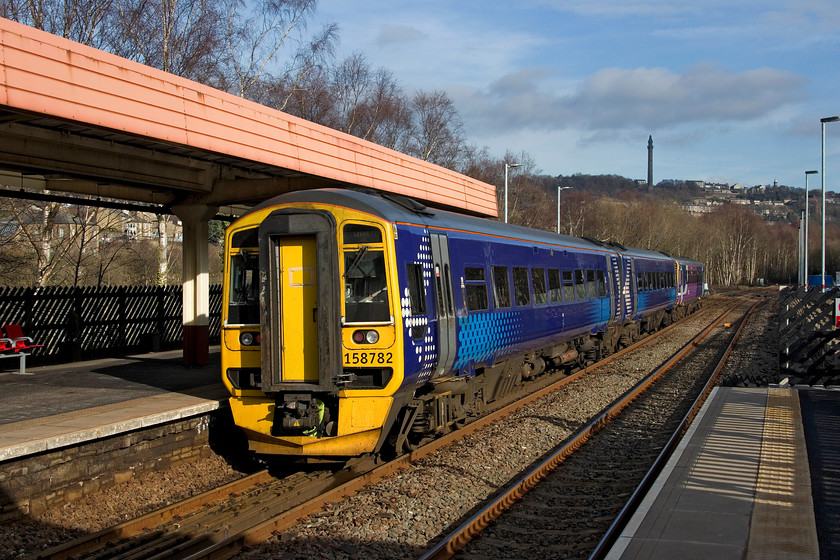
(368, 358)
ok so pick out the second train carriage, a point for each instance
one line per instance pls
(356, 321)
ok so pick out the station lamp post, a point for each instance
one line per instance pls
(559, 189)
(822, 177)
(507, 169)
(805, 243)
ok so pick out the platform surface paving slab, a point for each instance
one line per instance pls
(737, 486)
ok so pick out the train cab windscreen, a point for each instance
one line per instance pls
(365, 280)
(244, 303)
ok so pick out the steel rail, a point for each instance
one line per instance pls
(218, 549)
(224, 540)
(155, 518)
(609, 538)
(480, 520)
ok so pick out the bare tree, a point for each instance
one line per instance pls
(350, 84)
(436, 135)
(369, 103)
(162, 251)
(309, 99)
(183, 37)
(83, 21)
(524, 197)
(257, 32)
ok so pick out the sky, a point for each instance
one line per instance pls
(730, 91)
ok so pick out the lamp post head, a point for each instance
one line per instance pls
(813, 172)
(830, 119)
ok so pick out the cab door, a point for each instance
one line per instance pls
(297, 314)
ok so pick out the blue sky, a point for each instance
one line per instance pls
(730, 91)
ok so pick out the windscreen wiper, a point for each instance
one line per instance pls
(356, 260)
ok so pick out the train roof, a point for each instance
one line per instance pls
(687, 261)
(396, 208)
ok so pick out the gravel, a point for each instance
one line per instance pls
(143, 494)
(398, 517)
(395, 518)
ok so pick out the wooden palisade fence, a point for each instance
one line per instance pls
(808, 338)
(89, 322)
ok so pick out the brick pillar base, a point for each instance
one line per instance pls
(196, 345)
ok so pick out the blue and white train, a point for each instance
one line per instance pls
(356, 323)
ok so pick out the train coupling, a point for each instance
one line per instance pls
(345, 378)
(297, 413)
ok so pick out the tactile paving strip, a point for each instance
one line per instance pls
(782, 524)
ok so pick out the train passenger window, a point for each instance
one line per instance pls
(602, 284)
(568, 286)
(365, 287)
(538, 284)
(555, 288)
(476, 297)
(416, 294)
(592, 287)
(244, 303)
(356, 234)
(520, 286)
(439, 290)
(473, 273)
(475, 288)
(501, 287)
(580, 284)
(640, 282)
(449, 299)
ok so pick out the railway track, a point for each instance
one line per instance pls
(574, 503)
(250, 511)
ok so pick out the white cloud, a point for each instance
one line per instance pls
(619, 98)
(390, 34)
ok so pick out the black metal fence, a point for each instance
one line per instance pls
(89, 322)
(807, 335)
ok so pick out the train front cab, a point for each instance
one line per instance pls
(310, 352)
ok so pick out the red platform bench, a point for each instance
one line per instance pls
(16, 345)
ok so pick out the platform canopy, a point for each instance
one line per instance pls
(80, 120)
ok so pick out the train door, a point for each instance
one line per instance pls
(299, 306)
(627, 290)
(294, 260)
(445, 303)
(682, 288)
(615, 285)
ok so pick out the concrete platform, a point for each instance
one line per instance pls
(740, 483)
(64, 405)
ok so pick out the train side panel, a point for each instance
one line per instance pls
(513, 297)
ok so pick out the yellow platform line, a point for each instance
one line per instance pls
(782, 524)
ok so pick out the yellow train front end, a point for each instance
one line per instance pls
(310, 347)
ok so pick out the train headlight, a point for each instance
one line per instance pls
(372, 337)
(249, 338)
